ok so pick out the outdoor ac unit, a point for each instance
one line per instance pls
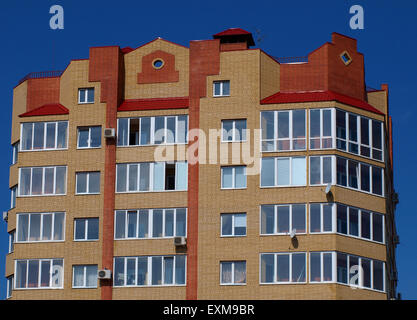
(5, 216)
(109, 133)
(180, 241)
(104, 274)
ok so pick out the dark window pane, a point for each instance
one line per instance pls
(267, 268)
(315, 170)
(365, 176)
(342, 268)
(80, 229)
(283, 219)
(327, 217)
(298, 267)
(366, 225)
(283, 268)
(267, 219)
(341, 172)
(378, 275)
(92, 232)
(341, 219)
(377, 227)
(377, 180)
(353, 222)
(315, 220)
(315, 267)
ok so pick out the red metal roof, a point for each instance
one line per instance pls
(154, 104)
(46, 110)
(315, 96)
(232, 32)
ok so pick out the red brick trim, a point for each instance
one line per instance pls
(46, 110)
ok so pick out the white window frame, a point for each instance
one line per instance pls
(276, 233)
(61, 281)
(149, 270)
(12, 241)
(334, 217)
(15, 152)
(232, 283)
(334, 275)
(275, 254)
(221, 82)
(43, 182)
(233, 215)
(322, 136)
(84, 286)
(290, 129)
(360, 278)
(40, 227)
(151, 175)
(10, 287)
(359, 175)
(290, 173)
(89, 137)
(234, 131)
(359, 142)
(86, 222)
(332, 178)
(45, 124)
(152, 131)
(87, 182)
(85, 98)
(13, 196)
(371, 223)
(233, 178)
(150, 224)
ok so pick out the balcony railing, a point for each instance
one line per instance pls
(41, 74)
(284, 60)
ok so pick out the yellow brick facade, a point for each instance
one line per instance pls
(253, 76)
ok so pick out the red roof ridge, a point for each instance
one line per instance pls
(315, 96)
(48, 109)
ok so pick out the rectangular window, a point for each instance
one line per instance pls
(233, 224)
(234, 130)
(84, 276)
(9, 291)
(39, 274)
(152, 130)
(321, 266)
(15, 154)
(39, 181)
(86, 229)
(281, 219)
(359, 135)
(44, 135)
(320, 170)
(12, 240)
(87, 182)
(233, 177)
(89, 137)
(86, 95)
(150, 271)
(150, 223)
(321, 217)
(321, 128)
(283, 172)
(360, 272)
(221, 88)
(233, 272)
(283, 130)
(155, 176)
(38, 227)
(13, 194)
(283, 267)
(359, 176)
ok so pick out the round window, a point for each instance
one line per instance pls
(158, 63)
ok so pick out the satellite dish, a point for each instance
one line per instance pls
(292, 233)
(328, 187)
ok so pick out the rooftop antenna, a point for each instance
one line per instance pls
(259, 36)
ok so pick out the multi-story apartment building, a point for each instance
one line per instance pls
(284, 192)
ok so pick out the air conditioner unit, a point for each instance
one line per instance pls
(104, 274)
(5, 215)
(180, 241)
(109, 133)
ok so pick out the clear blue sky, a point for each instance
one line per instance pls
(289, 28)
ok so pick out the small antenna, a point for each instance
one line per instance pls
(259, 36)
